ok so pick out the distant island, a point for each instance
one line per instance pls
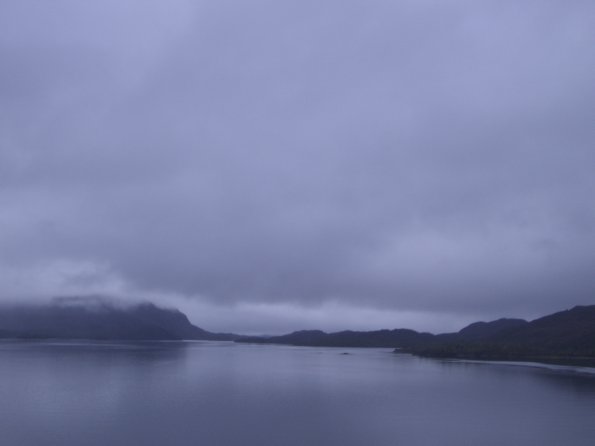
(98, 318)
(566, 337)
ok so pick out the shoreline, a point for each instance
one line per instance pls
(586, 362)
(566, 368)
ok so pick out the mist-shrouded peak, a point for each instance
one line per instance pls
(98, 317)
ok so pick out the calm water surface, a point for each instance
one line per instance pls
(219, 394)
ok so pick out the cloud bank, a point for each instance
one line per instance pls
(285, 164)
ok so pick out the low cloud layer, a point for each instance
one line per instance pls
(283, 164)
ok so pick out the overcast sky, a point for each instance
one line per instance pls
(273, 165)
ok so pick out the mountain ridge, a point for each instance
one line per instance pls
(565, 336)
(99, 319)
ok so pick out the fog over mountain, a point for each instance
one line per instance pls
(267, 166)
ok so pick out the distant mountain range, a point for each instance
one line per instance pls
(98, 318)
(567, 336)
(397, 338)
(563, 337)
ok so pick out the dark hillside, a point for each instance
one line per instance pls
(96, 318)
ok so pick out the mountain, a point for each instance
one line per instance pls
(401, 338)
(485, 330)
(567, 336)
(99, 318)
(572, 329)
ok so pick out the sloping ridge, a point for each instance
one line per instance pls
(570, 330)
(566, 334)
(94, 318)
(486, 330)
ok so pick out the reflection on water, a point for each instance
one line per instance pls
(209, 393)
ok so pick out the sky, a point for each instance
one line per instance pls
(268, 166)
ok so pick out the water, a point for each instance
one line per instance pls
(220, 394)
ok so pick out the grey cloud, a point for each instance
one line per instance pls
(410, 156)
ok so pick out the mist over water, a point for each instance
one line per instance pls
(225, 394)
